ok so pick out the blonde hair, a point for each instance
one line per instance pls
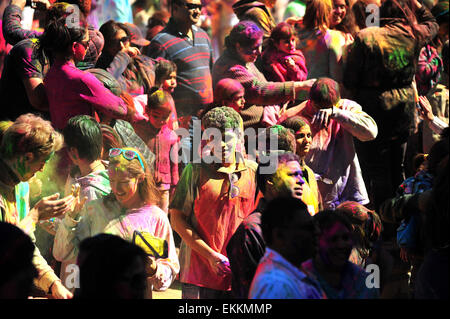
(147, 190)
(317, 14)
(30, 133)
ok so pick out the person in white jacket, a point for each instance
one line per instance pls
(129, 208)
(332, 157)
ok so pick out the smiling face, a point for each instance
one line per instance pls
(303, 138)
(335, 245)
(123, 185)
(187, 11)
(288, 180)
(286, 45)
(338, 13)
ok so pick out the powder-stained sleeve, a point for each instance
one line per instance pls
(12, 28)
(183, 198)
(102, 99)
(356, 121)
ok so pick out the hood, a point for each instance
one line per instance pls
(241, 7)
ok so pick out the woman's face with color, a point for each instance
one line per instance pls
(169, 84)
(303, 138)
(123, 185)
(249, 53)
(335, 245)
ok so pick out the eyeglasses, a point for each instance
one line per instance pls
(127, 154)
(234, 190)
(191, 6)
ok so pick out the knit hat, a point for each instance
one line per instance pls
(136, 35)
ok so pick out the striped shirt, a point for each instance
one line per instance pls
(194, 62)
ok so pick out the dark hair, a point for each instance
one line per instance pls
(262, 178)
(327, 218)
(279, 213)
(58, 37)
(246, 33)
(366, 225)
(440, 12)
(286, 139)
(283, 31)
(158, 98)
(109, 30)
(104, 259)
(359, 13)
(295, 123)
(16, 255)
(325, 92)
(348, 23)
(399, 9)
(163, 68)
(83, 133)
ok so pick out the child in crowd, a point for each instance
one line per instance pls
(166, 79)
(229, 92)
(129, 211)
(162, 141)
(281, 60)
(303, 136)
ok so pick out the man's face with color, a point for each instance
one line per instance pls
(188, 11)
(288, 180)
(28, 165)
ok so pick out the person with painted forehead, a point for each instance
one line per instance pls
(210, 201)
(128, 209)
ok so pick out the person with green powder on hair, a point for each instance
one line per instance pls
(26, 145)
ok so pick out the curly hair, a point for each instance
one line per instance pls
(222, 118)
(246, 33)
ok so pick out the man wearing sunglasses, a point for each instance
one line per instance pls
(189, 47)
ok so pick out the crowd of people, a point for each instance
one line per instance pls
(126, 150)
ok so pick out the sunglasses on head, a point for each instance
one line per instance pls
(127, 154)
